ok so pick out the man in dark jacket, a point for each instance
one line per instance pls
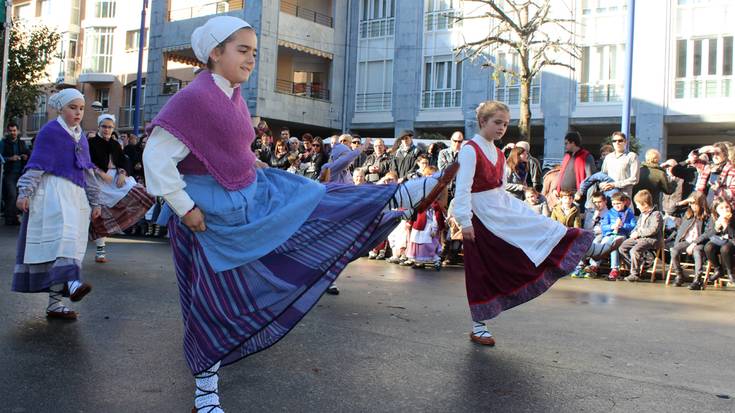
(378, 164)
(404, 161)
(15, 154)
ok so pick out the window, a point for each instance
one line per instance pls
(704, 68)
(377, 18)
(98, 50)
(442, 84)
(374, 86)
(441, 14)
(75, 14)
(39, 117)
(68, 55)
(104, 9)
(598, 75)
(132, 39)
(103, 96)
(507, 85)
(24, 11)
(592, 7)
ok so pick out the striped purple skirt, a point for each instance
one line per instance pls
(232, 314)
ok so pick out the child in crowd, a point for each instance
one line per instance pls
(536, 201)
(296, 167)
(424, 246)
(616, 226)
(565, 212)
(646, 236)
(718, 240)
(358, 177)
(592, 222)
(454, 246)
(685, 242)
(57, 193)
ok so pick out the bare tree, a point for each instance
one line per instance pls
(527, 28)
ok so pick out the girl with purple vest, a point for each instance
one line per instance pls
(254, 248)
(511, 253)
(57, 193)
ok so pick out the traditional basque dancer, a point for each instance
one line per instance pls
(511, 254)
(57, 193)
(124, 202)
(254, 248)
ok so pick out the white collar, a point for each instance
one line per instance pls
(75, 132)
(482, 141)
(223, 84)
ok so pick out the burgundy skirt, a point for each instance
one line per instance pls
(500, 276)
(123, 215)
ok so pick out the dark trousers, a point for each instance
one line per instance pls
(720, 256)
(678, 249)
(10, 195)
(632, 251)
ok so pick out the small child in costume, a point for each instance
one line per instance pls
(57, 193)
(424, 244)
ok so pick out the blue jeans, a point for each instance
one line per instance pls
(614, 255)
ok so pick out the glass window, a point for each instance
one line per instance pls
(681, 58)
(104, 9)
(103, 96)
(98, 50)
(132, 39)
(727, 56)
(697, 62)
(712, 57)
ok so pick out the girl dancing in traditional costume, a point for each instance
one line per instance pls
(254, 249)
(124, 202)
(511, 254)
(57, 193)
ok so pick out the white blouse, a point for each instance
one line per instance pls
(162, 153)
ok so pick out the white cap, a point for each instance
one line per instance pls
(104, 117)
(64, 97)
(215, 31)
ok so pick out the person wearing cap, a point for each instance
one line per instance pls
(57, 193)
(124, 201)
(405, 157)
(254, 247)
(534, 178)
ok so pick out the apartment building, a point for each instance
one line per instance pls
(97, 54)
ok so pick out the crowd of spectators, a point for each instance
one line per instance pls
(682, 207)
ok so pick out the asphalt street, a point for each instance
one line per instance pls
(394, 340)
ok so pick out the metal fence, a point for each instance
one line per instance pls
(600, 92)
(308, 14)
(309, 90)
(441, 99)
(377, 28)
(373, 102)
(216, 7)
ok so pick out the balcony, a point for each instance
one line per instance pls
(442, 20)
(377, 28)
(511, 95)
(599, 92)
(176, 12)
(704, 87)
(432, 99)
(307, 14)
(374, 102)
(309, 90)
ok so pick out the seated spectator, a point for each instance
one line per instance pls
(593, 222)
(536, 201)
(453, 246)
(565, 212)
(516, 172)
(279, 158)
(687, 234)
(646, 236)
(616, 227)
(358, 177)
(718, 179)
(720, 242)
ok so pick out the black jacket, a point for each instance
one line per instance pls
(684, 227)
(404, 162)
(101, 151)
(719, 238)
(9, 150)
(383, 163)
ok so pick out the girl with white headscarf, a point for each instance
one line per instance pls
(124, 202)
(254, 248)
(57, 193)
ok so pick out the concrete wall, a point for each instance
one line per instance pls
(407, 64)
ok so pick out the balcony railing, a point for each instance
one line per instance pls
(511, 95)
(706, 87)
(308, 14)
(373, 102)
(36, 121)
(309, 90)
(377, 28)
(442, 20)
(215, 7)
(169, 88)
(441, 99)
(125, 117)
(600, 92)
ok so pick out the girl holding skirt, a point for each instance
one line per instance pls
(511, 254)
(124, 202)
(57, 193)
(254, 248)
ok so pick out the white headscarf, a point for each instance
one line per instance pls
(205, 38)
(101, 118)
(63, 98)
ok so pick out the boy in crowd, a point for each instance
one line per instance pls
(645, 237)
(616, 227)
(565, 212)
(593, 222)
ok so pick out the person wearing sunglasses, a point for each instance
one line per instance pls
(621, 165)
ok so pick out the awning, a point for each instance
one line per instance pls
(305, 49)
(182, 54)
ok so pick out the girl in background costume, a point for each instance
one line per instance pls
(124, 202)
(57, 193)
(254, 248)
(511, 253)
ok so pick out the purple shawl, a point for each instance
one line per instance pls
(55, 152)
(216, 129)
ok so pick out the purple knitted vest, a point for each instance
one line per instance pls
(216, 129)
(56, 152)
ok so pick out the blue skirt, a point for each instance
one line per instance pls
(233, 313)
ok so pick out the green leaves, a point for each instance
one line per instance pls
(31, 51)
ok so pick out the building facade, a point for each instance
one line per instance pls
(97, 54)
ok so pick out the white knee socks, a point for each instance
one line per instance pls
(55, 305)
(206, 396)
(480, 329)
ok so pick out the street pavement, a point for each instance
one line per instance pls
(394, 340)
